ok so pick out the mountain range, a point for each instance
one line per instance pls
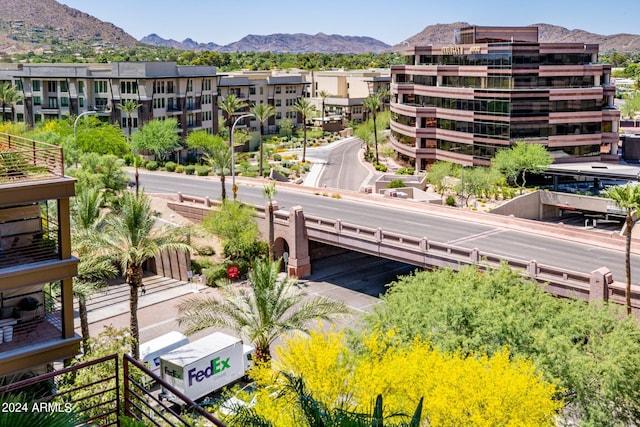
(294, 43)
(29, 25)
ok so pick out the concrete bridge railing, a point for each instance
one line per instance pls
(424, 253)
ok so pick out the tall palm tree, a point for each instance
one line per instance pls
(218, 156)
(270, 307)
(262, 112)
(305, 109)
(128, 107)
(229, 105)
(88, 221)
(270, 192)
(628, 198)
(323, 94)
(131, 239)
(9, 96)
(372, 103)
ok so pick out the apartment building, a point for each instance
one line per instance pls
(163, 90)
(36, 265)
(347, 91)
(279, 89)
(495, 85)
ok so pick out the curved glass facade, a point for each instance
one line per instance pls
(514, 88)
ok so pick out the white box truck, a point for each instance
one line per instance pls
(151, 351)
(205, 366)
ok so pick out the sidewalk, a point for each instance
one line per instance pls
(114, 300)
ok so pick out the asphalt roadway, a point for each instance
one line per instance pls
(450, 226)
(355, 279)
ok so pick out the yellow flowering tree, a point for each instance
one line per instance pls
(474, 390)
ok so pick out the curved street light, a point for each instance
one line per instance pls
(75, 124)
(234, 187)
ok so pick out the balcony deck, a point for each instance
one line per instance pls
(23, 159)
(32, 330)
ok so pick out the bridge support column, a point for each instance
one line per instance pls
(299, 264)
(599, 284)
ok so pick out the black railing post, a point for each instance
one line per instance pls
(118, 408)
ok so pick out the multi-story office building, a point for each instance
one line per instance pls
(36, 320)
(163, 90)
(496, 85)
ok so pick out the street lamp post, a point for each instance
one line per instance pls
(462, 187)
(75, 124)
(234, 188)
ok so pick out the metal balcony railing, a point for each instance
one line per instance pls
(95, 392)
(27, 159)
(33, 239)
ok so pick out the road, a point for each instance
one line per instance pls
(547, 250)
(342, 168)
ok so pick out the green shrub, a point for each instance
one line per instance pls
(405, 171)
(381, 168)
(285, 163)
(179, 169)
(202, 170)
(450, 201)
(128, 159)
(206, 251)
(170, 166)
(396, 183)
(152, 165)
(198, 265)
(190, 169)
(277, 157)
(214, 274)
(306, 167)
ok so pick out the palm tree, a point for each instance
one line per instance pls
(93, 270)
(88, 221)
(230, 104)
(265, 310)
(218, 156)
(129, 106)
(262, 113)
(628, 198)
(318, 414)
(372, 103)
(324, 95)
(305, 109)
(131, 239)
(270, 192)
(9, 96)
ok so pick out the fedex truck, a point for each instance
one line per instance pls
(151, 351)
(205, 366)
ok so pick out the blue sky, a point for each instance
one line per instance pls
(226, 21)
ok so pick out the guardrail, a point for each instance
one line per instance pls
(95, 391)
(421, 252)
(27, 159)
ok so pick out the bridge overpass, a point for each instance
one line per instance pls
(305, 237)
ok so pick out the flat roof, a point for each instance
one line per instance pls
(600, 170)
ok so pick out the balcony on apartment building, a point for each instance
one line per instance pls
(34, 236)
(32, 186)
